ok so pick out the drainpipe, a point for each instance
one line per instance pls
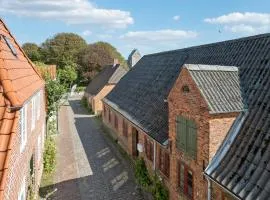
(209, 191)
(154, 163)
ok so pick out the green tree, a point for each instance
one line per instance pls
(62, 49)
(54, 91)
(95, 56)
(67, 75)
(33, 51)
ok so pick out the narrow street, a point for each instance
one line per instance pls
(89, 166)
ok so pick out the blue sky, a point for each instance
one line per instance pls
(151, 26)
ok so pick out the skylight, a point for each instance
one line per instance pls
(10, 45)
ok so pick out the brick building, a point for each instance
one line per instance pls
(22, 121)
(186, 113)
(102, 84)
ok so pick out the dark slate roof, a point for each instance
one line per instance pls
(219, 85)
(141, 94)
(111, 74)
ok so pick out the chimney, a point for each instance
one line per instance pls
(115, 61)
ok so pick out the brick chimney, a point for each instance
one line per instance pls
(115, 61)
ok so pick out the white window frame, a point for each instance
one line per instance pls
(22, 194)
(23, 126)
(33, 117)
(39, 148)
(38, 103)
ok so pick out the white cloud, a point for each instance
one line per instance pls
(247, 23)
(69, 11)
(161, 36)
(87, 33)
(176, 18)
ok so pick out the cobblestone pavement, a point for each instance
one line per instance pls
(89, 166)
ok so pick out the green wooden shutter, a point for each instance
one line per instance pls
(181, 133)
(192, 139)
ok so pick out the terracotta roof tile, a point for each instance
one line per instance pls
(19, 81)
(4, 142)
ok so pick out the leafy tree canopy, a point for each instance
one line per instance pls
(95, 56)
(67, 75)
(32, 50)
(62, 48)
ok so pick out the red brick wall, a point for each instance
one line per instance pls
(19, 164)
(126, 142)
(211, 130)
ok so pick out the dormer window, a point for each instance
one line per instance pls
(185, 89)
(10, 45)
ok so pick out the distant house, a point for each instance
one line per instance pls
(199, 117)
(102, 84)
(133, 58)
(22, 121)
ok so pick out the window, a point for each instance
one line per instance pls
(10, 45)
(185, 89)
(125, 129)
(110, 117)
(186, 136)
(38, 104)
(33, 117)
(185, 177)
(164, 162)
(39, 148)
(105, 110)
(115, 122)
(149, 149)
(23, 126)
(22, 191)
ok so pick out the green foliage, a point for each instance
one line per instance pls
(141, 173)
(95, 56)
(67, 75)
(33, 51)
(54, 93)
(159, 191)
(152, 184)
(62, 48)
(49, 156)
(80, 89)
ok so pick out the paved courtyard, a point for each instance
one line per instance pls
(89, 166)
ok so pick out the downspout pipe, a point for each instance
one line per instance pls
(209, 189)
(155, 150)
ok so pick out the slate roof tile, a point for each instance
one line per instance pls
(219, 85)
(109, 75)
(242, 162)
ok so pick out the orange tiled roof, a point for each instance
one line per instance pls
(18, 82)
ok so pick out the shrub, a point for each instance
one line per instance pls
(151, 184)
(80, 89)
(49, 158)
(159, 191)
(141, 173)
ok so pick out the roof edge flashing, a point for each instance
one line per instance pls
(201, 67)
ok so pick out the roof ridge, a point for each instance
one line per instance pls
(203, 67)
(211, 44)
